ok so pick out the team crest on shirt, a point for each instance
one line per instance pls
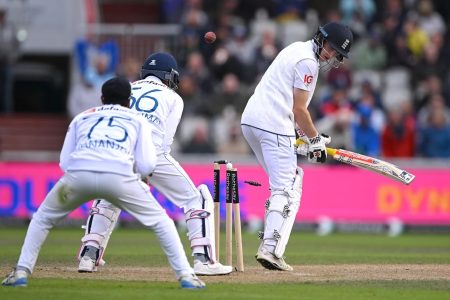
(308, 79)
(90, 110)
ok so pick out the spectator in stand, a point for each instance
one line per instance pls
(367, 90)
(429, 20)
(338, 126)
(193, 16)
(230, 92)
(340, 78)
(337, 101)
(432, 85)
(369, 53)
(223, 62)
(435, 102)
(291, 22)
(358, 14)
(96, 64)
(198, 71)
(290, 9)
(194, 23)
(368, 99)
(366, 139)
(82, 96)
(416, 38)
(435, 136)
(432, 61)
(130, 69)
(393, 15)
(223, 28)
(235, 143)
(232, 10)
(398, 137)
(200, 142)
(194, 99)
(365, 8)
(171, 10)
(266, 51)
(243, 49)
(400, 54)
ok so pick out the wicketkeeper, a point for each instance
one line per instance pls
(155, 98)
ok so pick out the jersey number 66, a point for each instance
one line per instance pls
(145, 106)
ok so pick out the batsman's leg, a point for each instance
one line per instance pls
(281, 210)
(102, 220)
(276, 154)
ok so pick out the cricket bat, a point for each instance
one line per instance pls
(369, 163)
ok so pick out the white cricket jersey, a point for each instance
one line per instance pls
(270, 106)
(109, 138)
(162, 108)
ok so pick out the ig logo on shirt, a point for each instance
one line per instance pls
(307, 79)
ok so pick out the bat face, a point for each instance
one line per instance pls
(407, 177)
(374, 164)
(369, 163)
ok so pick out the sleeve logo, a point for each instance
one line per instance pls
(307, 79)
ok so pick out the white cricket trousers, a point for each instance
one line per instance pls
(278, 157)
(126, 192)
(276, 154)
(171, 180)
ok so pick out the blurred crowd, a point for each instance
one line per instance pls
(391, 99)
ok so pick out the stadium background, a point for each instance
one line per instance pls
(391, 100)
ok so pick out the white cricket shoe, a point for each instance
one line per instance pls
(17, 278)
(209, 269)
(191, 281)
(270, 261)
(87, 265)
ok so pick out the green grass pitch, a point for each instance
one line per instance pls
(339, 266)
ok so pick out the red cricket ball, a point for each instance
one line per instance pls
(210, 37)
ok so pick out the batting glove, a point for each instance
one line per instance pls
(302, 149)
(317, 151)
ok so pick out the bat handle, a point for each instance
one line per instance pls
(330, 151)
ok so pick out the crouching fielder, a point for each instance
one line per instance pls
(268, 122)
(102, 148)
(154, 97)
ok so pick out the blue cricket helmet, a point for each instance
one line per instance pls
(339, 37)
(162, 65)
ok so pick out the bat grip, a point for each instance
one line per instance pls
(330, 151)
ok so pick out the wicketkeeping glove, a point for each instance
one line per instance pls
(317, 151)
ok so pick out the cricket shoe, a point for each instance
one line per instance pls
(17, 278)
(270, 261)
(211, 269)
(191, 281)
(87, 265)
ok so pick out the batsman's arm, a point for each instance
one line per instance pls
(301, 114)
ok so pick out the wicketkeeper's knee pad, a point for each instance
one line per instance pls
(200, 225)
(102, 220)
(286, 203)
